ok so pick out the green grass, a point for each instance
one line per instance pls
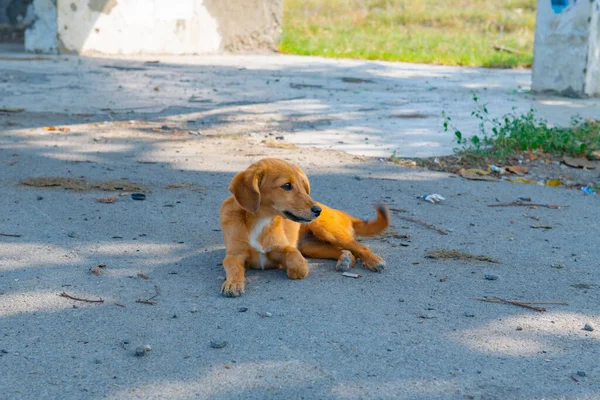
(449, 32)
(501, 138)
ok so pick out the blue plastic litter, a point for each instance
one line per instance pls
(587, 190)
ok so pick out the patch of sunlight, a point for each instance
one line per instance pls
(37, 301)
(232, 382)
(564, 103)
(481, 85)
(17, 255)
(501, 336)
(402, 388)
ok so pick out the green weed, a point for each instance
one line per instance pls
(500, 138)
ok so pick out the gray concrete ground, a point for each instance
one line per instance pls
(361, 107)
(415, 331)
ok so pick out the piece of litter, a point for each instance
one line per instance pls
(491, 277)
(350, 275)
(587, 190)
(497, 169)
(433, 198)
(138, 196)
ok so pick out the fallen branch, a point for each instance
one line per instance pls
(398, 210)
(120, 305)
(418, 221)
(513, 302)
(9, 235)
(68, 296)
(519, 204)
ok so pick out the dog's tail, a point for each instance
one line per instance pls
(373, 227)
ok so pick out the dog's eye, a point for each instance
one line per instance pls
(287, 187)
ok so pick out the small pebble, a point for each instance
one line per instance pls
(491, 277)
(581, 373)
(194, 310)
(218, 344)
(588, 327)
(138, 196)
(141, 351)
(72, 235)
(519, 328)
(469, 314)
(98, 361)
(242, 309)
(358, 178)
(269, 315)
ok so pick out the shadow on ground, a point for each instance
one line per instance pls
(405, 333)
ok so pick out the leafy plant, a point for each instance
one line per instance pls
(500, 138)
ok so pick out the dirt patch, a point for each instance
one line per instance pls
(458, 255)
(82, 184)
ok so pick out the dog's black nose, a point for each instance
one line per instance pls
(316, 210)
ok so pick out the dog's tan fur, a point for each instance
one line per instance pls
(259, 233)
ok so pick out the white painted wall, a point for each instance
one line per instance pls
(566, 55)
(136, 27)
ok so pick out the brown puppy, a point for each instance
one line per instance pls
(271, 222)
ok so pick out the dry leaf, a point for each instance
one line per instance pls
(523, 180)
(49, 128)
(516, 169)
(531, 156)
(156, 89)
(458, 255)
(596, 154)
(107, 200)
(146, 277)
(554, 182)
(578, 162)
(476, 175)
(64, 129)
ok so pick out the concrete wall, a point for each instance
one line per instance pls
(161, 26)
(566, 55)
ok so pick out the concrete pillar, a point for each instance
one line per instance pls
(157, 26)
(567, 48)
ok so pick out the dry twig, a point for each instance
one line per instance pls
(68, 296)
(519, 204)
(513, 302)
(418, 221)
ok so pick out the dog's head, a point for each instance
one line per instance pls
(275, 187)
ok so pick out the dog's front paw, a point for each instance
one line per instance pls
(296, 265)
(232, 288)
(297, 273)
(376, 264)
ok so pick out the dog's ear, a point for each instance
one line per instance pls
(304, 179)
(244, 187)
